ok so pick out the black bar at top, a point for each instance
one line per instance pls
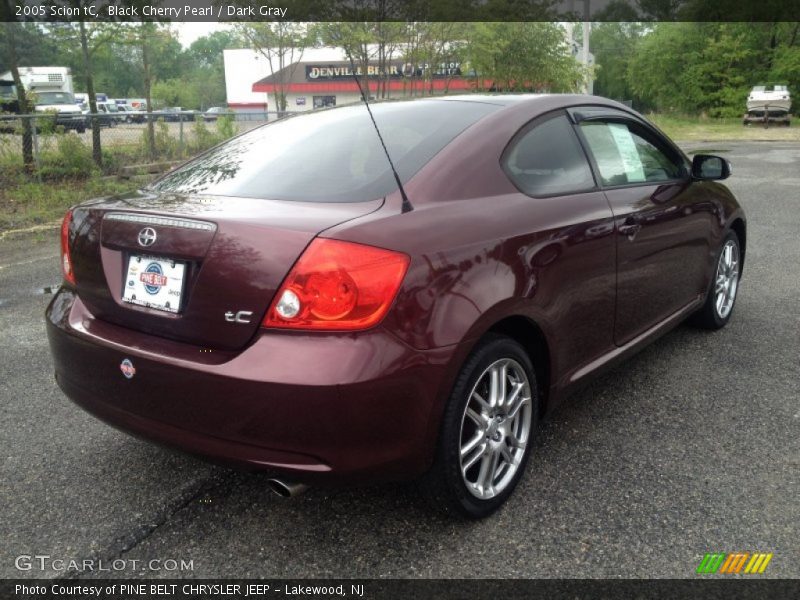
(399, 10)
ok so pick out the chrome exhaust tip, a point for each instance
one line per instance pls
(286, 489)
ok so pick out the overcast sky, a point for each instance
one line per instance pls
(189, 32)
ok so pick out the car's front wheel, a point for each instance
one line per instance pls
(721, 296)
(487, 431)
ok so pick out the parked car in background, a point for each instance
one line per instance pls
(213, 113)
(176, 113)
(130, 114)
(108, 114)
(123, 111)
(289, 302)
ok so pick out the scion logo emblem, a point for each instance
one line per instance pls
(127, 368)
(147, 236)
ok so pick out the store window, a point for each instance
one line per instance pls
(324, 101)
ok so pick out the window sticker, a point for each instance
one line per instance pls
(628, 152)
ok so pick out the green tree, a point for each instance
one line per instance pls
(12, 60)
(168, 59)
(207, 71)
(708, 68)
(613, 45)
(786, 67)
(432, 43)
(147, 38)
(530, 56)
(80, 42)
(207, 50)
(177, 92)
(357, 38)
(32, 45)
(388, 37)
(657, 71)
(282, 43)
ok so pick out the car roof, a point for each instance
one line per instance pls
(509, 100)
(500, 99)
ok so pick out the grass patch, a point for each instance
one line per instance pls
(705, 129)
(66, 154)
(67, 175)
(32, 203)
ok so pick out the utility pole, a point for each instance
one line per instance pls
(587, 30)
(582, 54)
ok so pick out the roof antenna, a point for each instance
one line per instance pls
(407, 207)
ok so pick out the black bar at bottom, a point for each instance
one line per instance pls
(732, 588)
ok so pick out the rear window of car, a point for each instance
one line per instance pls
(546, 159)
(328, 156)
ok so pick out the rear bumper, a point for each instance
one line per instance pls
(314, 407)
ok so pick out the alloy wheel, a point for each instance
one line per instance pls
(727, 279)
(495, 428)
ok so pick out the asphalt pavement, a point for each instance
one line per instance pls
(693, 446)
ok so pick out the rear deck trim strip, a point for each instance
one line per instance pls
(163, 221)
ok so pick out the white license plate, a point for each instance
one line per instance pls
(154, 282)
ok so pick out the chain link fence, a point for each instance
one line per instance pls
(50, 146)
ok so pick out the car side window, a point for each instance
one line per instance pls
(624, 155)
(546, 158)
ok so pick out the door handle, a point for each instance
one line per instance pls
(630, 227)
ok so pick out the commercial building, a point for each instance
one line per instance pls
(323, 77)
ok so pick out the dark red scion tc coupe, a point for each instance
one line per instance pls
(282, 302)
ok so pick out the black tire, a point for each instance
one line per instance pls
(444, 486)
(80, 129)
(709, 316)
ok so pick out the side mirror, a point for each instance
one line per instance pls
(707, 167)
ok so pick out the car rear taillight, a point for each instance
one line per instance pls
(66, 259)
(338, 285)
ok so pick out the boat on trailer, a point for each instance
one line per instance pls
(768, 103)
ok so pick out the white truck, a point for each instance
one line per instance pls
(50, 89)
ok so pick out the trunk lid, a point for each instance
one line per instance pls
(235, 254)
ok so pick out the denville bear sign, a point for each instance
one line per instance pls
(447, 69)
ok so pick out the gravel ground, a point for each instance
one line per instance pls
(691, 447)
